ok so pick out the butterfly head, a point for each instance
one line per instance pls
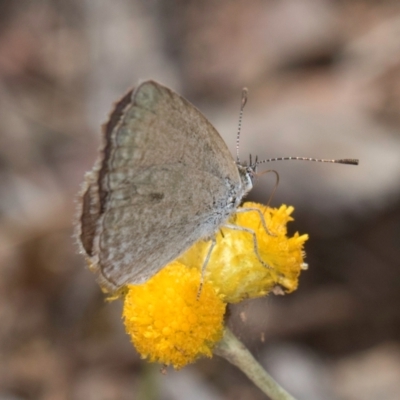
(247, 173)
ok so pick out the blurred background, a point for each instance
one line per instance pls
(324, 81)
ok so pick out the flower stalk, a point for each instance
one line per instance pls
(234, 351)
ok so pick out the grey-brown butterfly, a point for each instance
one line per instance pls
(164, 179)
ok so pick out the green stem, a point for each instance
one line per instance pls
(234, 351)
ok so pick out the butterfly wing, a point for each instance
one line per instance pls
(164, 181)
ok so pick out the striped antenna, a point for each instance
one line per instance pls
(242, 104)
(348, 161)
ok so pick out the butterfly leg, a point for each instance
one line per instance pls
(204, 266)
(262, 219)
(255, 244)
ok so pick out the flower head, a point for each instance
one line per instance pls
(167, 319)
(234, 266)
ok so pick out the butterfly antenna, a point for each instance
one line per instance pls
(243, 103)
(348, 161)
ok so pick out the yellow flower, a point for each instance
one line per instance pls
(167, 321)
(234, 268)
